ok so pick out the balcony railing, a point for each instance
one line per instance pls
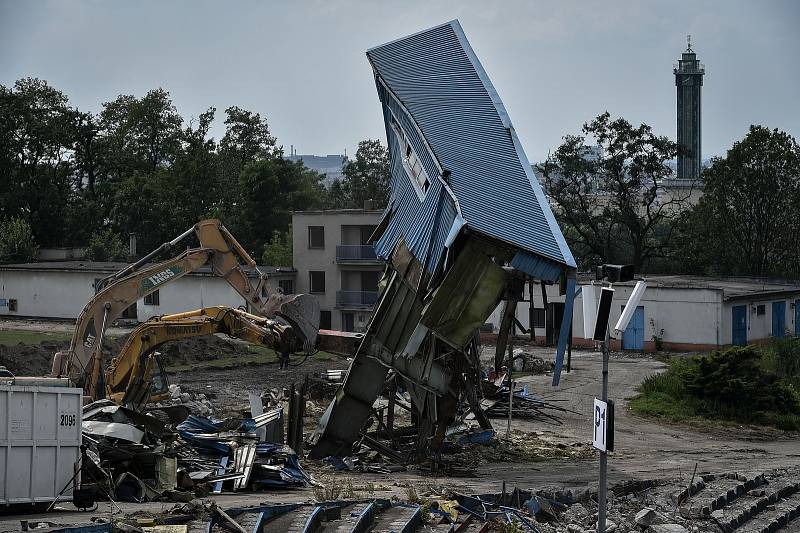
(356, 299)
(355, 252)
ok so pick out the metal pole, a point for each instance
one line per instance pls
(510, 375)
(601, 489)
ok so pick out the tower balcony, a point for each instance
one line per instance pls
(356, 299)
(356, 253)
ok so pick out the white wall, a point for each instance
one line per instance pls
(47, 294)
(685, 315)
(759, 326)
(64, 294)
(189, 293)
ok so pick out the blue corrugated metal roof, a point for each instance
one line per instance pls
(435, 76)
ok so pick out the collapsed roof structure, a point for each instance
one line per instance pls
(466, 220)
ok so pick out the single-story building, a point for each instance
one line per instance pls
(60, 289)
(676, 313)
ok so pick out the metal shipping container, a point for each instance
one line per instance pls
(40, 438)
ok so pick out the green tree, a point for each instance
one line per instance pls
(748, 219)
(106, 245)
(278, 251)
(270, 190)
(141, 134)
(365, 178)
(608, 189)
(17, 244)
(35, 137)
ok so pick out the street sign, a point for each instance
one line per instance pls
(603, 425)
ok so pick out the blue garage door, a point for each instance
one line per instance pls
(739, 316)
(797, 317)
(633, 337)
(778, 319)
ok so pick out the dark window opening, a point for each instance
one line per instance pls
(286, 285)
(537, 318)
(324, 320)
(316, 237)
(316, 281)
(761, 310)
(153, 298)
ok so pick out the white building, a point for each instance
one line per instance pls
(335, 263)
(61, 289)
(679, 313)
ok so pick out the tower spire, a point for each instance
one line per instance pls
(689, 43)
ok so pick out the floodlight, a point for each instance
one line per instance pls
(630, 307)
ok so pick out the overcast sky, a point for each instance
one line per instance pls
(301, 64)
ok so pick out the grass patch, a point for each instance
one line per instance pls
(12, 337)
(752, 385)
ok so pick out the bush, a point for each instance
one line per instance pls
(106, 246)
(278, 251)
(749, 384)
(16, 241)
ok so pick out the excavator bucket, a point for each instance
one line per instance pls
(302, 312)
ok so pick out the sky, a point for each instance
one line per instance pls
(302, 64)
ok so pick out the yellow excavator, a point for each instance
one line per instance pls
(136, 377)
(294, 318)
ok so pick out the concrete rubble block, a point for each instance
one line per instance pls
(574, 528)
(718, 515)
(647, 517)
(666, 528)
(577, 514)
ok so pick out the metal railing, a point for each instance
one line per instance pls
(355, 252)
(358, 299)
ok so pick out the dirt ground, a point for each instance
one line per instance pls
(645, 449)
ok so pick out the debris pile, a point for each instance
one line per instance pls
(133, 456)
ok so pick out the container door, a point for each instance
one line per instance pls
(778, 319)
(633, 337)
(739, 321)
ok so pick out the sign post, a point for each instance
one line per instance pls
(602, 404)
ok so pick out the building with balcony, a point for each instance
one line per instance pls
(335, 263)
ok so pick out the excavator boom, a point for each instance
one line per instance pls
(129, 378)
(222, 252)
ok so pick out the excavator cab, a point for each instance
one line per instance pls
(159, 386)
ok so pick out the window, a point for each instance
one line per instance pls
(152, 298)
(316, 281)
(537, 318)
(348, 322)
(411, 163)
(761, 310)
(316, 237)
(286, 285)
(324, 320)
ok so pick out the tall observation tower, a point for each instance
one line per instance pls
(689, 81)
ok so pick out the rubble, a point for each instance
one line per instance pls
(134, 456)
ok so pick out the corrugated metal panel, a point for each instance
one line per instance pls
(423, 224)
(536, 266)
(436, 77)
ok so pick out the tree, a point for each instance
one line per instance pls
(16, 241)
(270, 190)
(106, 245)
(278, 251)
(365, 178)
(610, 194)
(35, 137)
(748, 220)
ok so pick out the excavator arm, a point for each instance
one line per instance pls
(130, 376)
(82, 362)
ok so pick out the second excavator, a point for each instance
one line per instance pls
(136, 376)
